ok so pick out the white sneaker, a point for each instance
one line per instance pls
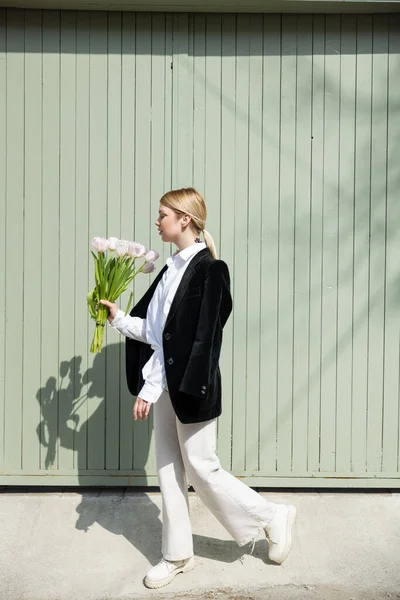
(279, 532)
(165, 571)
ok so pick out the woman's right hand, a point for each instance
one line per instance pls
(112, 309)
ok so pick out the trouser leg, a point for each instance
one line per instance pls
(241, 510)
(177, 539)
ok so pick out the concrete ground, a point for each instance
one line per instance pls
(99, 545)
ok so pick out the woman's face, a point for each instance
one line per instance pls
(169, 224)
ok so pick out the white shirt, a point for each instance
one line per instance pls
(150, 330)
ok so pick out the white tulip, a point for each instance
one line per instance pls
(148, 267)
(136, 250)
(112, 241)
(121, 247)
(151, 256)
(100, 244)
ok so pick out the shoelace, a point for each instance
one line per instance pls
(253, 543)
(269, 538)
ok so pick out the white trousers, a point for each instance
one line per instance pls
(190, 449)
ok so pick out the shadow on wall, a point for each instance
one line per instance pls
(129, 29)
(98, 397)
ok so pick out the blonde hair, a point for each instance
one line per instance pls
(188, 201)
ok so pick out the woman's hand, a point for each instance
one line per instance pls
(141, 409)
(112, 309)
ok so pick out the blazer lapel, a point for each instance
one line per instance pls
(181, 291)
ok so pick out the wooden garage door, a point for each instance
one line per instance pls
(290, 126)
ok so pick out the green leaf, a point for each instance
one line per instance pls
(91, 302)
(113, 277)
(102, 275)
(128, 308)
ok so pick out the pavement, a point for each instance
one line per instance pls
(98, 544)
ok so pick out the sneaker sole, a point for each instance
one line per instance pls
(291, 518)
(157, 584)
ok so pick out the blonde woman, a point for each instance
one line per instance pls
(174, 337)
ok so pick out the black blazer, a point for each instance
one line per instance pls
(192, 339)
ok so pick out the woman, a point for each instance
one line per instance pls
(174, 337)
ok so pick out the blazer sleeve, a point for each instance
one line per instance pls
(216, 305)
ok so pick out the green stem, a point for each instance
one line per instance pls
(101, 319)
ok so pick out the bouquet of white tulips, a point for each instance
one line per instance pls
(113, 273)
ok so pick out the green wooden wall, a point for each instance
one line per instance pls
(290, 126)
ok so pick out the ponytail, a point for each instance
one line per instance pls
(210, 243)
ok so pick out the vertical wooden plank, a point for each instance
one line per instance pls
(143, 219)
(142, 140)
(15, 140)
(252, 412)
(345, 243)
(376, 299)
(32, 238)
(330, 244)
(270, 241)
(84, 279)
(182, 166)
(128, 173)
(168, 155)
(114, 83)
(200, 88)
(317, 180)
(98, 192)
(240, 208)
(66, 394)
(3, 217)
(361, 241)
(227, 219)
(50, 239)
(391, 414)
(212, 83)
(302, 243)
(286, 244)
(160, 159)
(161, 124)
(212, 155)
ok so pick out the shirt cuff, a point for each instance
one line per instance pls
(150, 392)
(118, 318)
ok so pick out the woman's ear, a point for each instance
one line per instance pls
(186, 220)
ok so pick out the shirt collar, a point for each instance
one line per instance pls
(182, 257)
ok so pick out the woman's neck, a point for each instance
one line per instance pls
(185, 242)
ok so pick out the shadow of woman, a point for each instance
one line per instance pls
(137, 518)
(74, 417)
(134, 516)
